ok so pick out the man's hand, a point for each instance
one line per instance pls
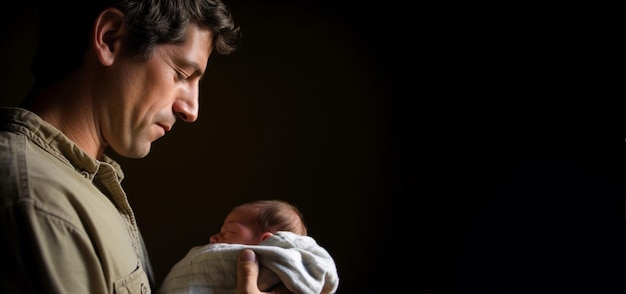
(248, 274)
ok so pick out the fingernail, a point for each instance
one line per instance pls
(248, 255)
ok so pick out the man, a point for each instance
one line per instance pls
(107, 75)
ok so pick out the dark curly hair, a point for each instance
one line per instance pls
(64, 28)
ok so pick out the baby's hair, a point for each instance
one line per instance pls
(277, 215)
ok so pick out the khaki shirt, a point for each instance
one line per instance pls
(66, 224)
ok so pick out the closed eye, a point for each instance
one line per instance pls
(180, 76)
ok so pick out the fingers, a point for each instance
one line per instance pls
(247, 273)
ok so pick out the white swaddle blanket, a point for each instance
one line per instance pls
(296, 260)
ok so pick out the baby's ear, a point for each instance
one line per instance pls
(266, 235)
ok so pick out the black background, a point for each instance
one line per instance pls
(432, 148)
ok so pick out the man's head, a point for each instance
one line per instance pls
(120, 73)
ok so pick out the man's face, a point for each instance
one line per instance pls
(154, 93)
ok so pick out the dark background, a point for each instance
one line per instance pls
(432, 148)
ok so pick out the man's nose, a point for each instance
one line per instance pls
(186, 108)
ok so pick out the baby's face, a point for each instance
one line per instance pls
(237, 229)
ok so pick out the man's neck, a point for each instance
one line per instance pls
(68, 108)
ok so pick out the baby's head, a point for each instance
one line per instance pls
(251, 223)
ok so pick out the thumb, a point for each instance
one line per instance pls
(247, 273)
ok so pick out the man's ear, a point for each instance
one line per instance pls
(108, 35)
(266, 235)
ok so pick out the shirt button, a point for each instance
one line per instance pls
(85, 174)
(144, 289)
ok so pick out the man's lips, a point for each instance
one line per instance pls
(165, 127)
